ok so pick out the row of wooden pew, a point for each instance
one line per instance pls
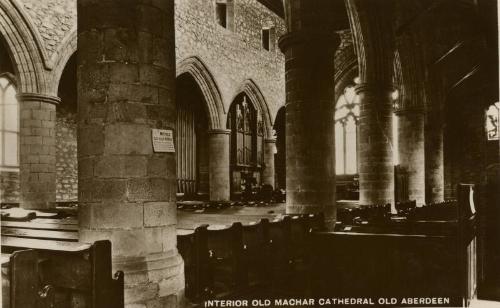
(215, 206)
(267, 257)
(44, 265)
(381, 214)
(402, 257)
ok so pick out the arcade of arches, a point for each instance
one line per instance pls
(360, 105)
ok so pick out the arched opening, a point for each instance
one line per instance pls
(346, 144)
(9, 129)
(280, 156)
(191, 140)
(246, 146)
(66, 135)
(347, 110)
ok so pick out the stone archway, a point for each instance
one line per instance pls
(250, 88)
(206, 82)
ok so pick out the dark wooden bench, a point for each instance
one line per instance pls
(46, 266)
(256, 247)
(244, 260)
(225, 252)
(403, 258)
(66, 273)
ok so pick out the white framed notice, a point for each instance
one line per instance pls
(163, 140)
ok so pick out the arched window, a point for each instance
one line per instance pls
(246, 144)
(247, 133)
(492, 121)
(346, 132)
(9, 124)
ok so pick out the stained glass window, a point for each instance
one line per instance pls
(247, 133)
(9, 123)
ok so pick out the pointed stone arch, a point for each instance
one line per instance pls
(205, 80)
(250, 88)
(61, 58)
(25, 51)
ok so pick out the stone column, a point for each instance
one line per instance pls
(126, 83)
(434, 159)
(376, 167)
(218, 166)
(412, 153)
(309, 48)
(38, 150)
(268, 175)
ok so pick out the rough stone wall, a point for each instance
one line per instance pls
(66, 156)
(9, 186)
(233, 56)
(53, 19)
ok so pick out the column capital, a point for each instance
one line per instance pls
(45, 98)
(270, 140)
(321, 37)
(219, 131)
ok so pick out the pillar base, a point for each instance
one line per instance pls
(156, 280)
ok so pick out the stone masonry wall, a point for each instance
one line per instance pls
(53, 19)
(9, 186)
(66, 156)
(233, 56)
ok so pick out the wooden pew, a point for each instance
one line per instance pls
(225, 252)
(192, 246)
(385, 265)
(256, 247)
(401, 258)
(73, 272)
(68, 273)
(278, 255)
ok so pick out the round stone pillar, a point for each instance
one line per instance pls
(412, 153)
(434, 159)
(37, 150)
(310, 108)
(268, 175)
(376, 167)
(126, 83)
(218, 166)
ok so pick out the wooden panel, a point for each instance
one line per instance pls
(63, 221)
(41, 234)
(107, 292)
(23, 279)
(64, 269)
(11, 243)
(39, 226)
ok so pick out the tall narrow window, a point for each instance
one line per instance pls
(269, 38)
(265, 39)
(224, 13)
(492, 122)
(346, 119)
(221, 14)
(246, 144)
(9, 124)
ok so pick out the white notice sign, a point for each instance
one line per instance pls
(163, 140)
